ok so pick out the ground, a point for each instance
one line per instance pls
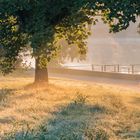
(67, 110)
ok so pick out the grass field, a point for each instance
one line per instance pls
(67, 110)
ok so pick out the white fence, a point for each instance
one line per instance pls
(128, 69)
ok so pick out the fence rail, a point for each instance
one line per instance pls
(117, 68)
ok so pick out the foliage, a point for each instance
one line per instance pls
(43, 23)
(67, 53)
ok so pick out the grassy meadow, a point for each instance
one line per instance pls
(66, 110)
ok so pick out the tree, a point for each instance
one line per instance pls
(67, 53)
(43, 23)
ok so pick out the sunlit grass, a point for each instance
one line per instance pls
(67, 110)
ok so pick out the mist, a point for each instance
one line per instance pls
(109, 48)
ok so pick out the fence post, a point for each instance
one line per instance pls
(92, 67)
(133, 69)
(102, 68)
(114, 68)
(118, 68)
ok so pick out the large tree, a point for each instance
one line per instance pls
(43, 23)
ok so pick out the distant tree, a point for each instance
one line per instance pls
(43, 23)
(67, 53)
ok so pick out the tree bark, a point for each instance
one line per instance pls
(41, 74)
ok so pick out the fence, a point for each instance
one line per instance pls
(128, 69)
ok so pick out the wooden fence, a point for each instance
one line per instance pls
(114, 68)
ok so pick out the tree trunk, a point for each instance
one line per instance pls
(41, 74)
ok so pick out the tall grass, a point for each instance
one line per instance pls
(81, 121)
(68, 110)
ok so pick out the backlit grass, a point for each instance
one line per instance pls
(67, 110)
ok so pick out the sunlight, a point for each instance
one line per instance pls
(69, 70)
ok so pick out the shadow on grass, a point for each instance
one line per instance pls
(68, 123)
(5, 93)
(42, 87)
(6, 120)
(81, 121)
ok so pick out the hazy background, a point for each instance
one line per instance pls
(119, 48)
(108, 48)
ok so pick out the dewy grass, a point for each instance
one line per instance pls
(67, 110)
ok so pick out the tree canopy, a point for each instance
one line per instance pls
(43, 23)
